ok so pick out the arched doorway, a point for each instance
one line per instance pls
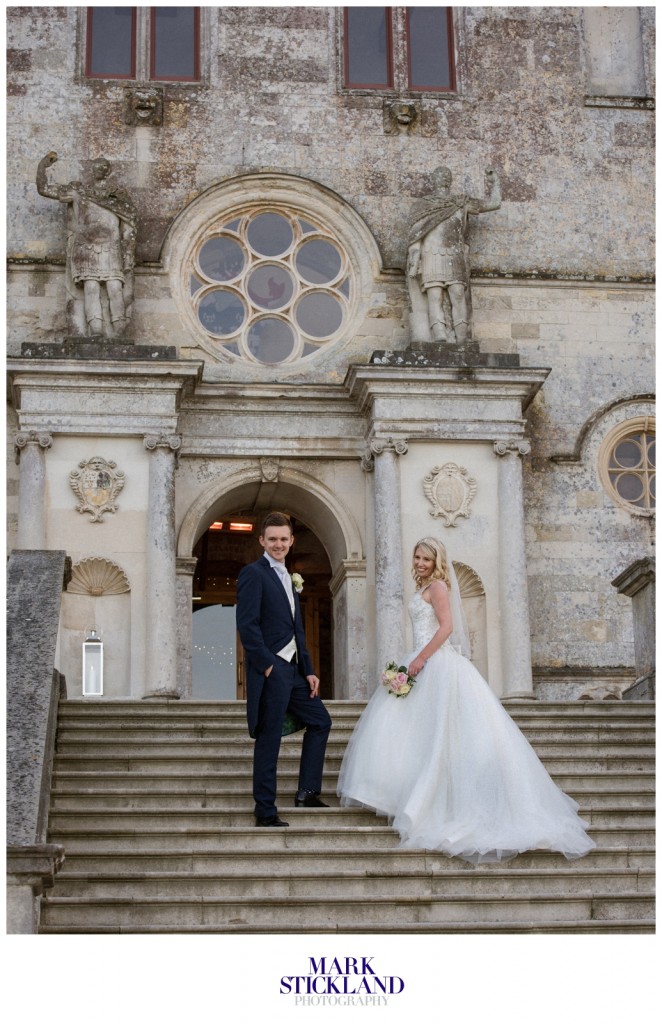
(227, 545)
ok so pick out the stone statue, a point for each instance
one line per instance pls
(101, 241)
(438, 260)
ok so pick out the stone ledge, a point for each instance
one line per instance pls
(96, 347)
(424, 354)
(35, 865)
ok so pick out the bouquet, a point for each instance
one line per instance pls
(397, 680)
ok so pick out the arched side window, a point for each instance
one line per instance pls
(627, 465)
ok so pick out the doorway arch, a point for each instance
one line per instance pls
(254, 491)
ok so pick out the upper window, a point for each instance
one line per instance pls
(156, 43)
(627, 465)
(399, 48)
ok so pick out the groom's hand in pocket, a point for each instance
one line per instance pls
(268, 672)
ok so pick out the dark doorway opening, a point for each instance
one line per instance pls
(218, 661)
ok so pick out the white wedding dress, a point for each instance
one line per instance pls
(451, 769)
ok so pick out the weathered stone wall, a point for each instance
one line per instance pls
(577, 180)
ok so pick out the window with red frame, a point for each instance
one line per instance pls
(399, 47)
(115, 36)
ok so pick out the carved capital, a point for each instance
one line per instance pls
(450, 490)
(377, 447)
(41, 439)
(170, 441)
(512, 447)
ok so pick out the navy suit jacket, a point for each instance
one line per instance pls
(265, 624)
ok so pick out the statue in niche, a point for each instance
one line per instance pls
(438, 271)
(101, 242)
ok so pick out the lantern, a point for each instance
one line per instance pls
(92, 664)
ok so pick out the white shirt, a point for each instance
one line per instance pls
(288, 652)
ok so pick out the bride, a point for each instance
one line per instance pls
(446, 762)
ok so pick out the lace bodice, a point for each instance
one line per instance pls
(423, 620)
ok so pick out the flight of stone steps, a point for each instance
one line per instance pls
(151, 800)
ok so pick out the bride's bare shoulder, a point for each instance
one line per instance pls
(437, 587)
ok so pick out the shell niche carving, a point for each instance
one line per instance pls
(450, 490)
(98, 577)
(469, 582)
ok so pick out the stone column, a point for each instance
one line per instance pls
(31, 448)
(184, 596)
(638, 582)
(160, 599)
(513, 588)
(389, 584)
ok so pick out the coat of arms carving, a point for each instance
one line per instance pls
(451, 490)
(96, 483)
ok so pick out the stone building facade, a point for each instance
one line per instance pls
(270, 359)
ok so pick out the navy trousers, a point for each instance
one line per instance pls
(286, 690)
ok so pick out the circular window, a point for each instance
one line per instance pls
(627, 465)
(270, 286)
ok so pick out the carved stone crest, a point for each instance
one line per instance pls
(451, 490)
(96, 483)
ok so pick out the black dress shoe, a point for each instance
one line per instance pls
(273, 822)
(306, 798)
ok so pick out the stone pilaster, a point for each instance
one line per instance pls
(30, 870)
(31, 447)
(513, 588)
(382, 458)
(184, 601)
(161, 603)
(638, 582)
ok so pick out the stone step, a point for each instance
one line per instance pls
(206, 764)
(214, 746)
(235, 708)
(196, 819)
(316, 886)
(152, 802)
(285, 862)
(343, 912)
(623, 926)
(342, 722)
(296, 838)
(639, 782)
(219, 797)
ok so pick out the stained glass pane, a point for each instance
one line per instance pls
(270, 286)
(630, 487)
(221, 259)
(270, 234)
(319, 314)
(221, 312)
(318, 261)
(270, 340)
(628, 454)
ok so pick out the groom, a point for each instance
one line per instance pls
(279, 673)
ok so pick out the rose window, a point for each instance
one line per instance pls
(270, 286)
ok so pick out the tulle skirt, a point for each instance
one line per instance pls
(452, 771)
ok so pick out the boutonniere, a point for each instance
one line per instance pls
(297, 582)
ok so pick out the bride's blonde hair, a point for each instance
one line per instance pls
(433, 548)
